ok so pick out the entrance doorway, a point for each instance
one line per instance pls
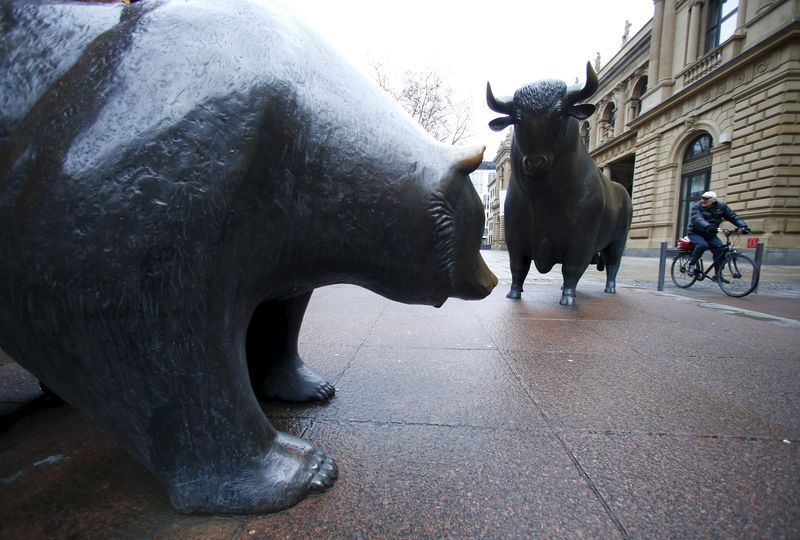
(695, 177)
(621, 171)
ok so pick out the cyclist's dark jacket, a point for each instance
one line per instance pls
(701, 217)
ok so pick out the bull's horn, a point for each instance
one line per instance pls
(501, 105)
(577, 92)
(468, 158)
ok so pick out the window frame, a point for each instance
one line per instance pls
(715, 21)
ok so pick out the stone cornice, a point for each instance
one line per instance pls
(735, 69)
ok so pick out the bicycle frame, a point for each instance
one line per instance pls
(727, 251)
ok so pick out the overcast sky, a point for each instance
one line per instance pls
(509, 43)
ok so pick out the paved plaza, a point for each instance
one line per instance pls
(644, 414)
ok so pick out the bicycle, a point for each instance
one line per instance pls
(737, 277)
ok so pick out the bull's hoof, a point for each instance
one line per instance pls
(567, 297)
(514, 293)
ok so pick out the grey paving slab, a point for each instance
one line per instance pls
(548, 335)
(688, 487)
(339, 317)
(631, 393)
(702, 311)
(400, 481)
(422, 328)
(658, 340)
(767, 387)
(432, 386)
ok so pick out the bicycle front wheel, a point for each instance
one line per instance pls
(738, 276)
(678, 271)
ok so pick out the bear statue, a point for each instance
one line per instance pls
(176, 178)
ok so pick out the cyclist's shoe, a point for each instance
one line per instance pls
(690, 271)
(716, 279)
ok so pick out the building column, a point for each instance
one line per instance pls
(630, 110)
(741, 17)
(667, 45)
(619, 103)
(597, 130)
(694, 31)
(655, 42)
(741, 20)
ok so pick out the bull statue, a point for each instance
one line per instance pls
(175, 181)
(559, 207)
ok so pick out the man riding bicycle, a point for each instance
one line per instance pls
(705, 217)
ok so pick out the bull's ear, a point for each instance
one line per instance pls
(499, 124)
(583, 111)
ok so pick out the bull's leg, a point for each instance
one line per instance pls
(520, 265)
(613, 256)
(572, 274)
(276, 369)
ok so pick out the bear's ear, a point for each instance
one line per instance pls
(468, 158)
(499, 124)
(583, 111)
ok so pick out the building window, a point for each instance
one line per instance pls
(721, 22)
(608, 120)
(585, 130)
(639, 90)
(695, 177)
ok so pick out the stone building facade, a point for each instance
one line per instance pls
(481, 178)
(705, 96)
(495, 220)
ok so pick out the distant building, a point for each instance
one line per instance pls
(497, 194)
(705, 96)
(481, 178)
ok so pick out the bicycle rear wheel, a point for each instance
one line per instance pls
(741, 275)
(678, 271)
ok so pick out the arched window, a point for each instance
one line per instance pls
(695, 177)
(607, 121)
(638, 91)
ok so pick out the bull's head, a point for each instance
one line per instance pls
(540, 113)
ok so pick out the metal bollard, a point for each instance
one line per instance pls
(759, 256)
(662, 265)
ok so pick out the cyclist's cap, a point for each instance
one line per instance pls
(709, 195)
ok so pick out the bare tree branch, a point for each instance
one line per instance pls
(429, 100)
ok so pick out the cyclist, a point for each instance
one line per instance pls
(705, 217)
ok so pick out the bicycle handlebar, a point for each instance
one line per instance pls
(728, 232)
